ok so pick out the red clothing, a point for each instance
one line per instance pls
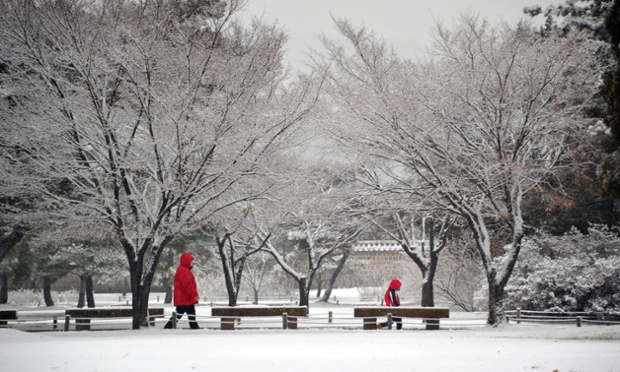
(185, 292)
(391, 296)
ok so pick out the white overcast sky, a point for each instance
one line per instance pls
(406, 24)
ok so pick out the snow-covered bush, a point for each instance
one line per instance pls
(25, 297)
(28, 297)
(68, 297)
(573, 272)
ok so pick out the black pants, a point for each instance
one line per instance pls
(191, 315)
(398, 321)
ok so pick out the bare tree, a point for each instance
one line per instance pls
(145, 115)
(316, 219)
(316, 241)
(426, 258)
(257, 268)
(386, 212)
(471, 132)
(234, 261)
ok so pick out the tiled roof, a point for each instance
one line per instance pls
(378, 245)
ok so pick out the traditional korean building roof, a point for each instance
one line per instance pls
(376, 246)
(379, 245)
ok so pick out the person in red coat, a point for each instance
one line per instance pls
(392, 299)
(185, 292)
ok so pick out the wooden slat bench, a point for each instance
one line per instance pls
(430, 314)
(83, 316)
(6, 315)
(229, 314)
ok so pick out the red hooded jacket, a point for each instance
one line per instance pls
(391, 297)
(185, 292)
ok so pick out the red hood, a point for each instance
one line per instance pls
(395, 284)
(186, 260)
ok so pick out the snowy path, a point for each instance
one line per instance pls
(511, 348)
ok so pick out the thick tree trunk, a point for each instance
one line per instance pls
(139, 309)
(497, 313)
(303, 292)
(47, 291)
(140, 291)
(428, 289)
(90, 296)
(82, 294)
(4, 288)
(334, 277)
(428, 293)
(10, 241)
(141, 278)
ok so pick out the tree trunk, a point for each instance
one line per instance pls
(82, 294)
(303, 292)
(428, 290)
(168, 289)
(497, 313)
(137, 306)
(167, 281)
(140, 291)
(226, 267)
(141, 273)
(255, 290)
(90, 296)
(47, 291)
(10, 241)
(428, 293)
(4, 288)
(319, 285)
(332, 280)
(239, 275)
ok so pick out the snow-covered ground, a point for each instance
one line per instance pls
(463, 344)
(512, 348)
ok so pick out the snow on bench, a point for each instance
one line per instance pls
(83, 316)
(430, 314)
(229, 314)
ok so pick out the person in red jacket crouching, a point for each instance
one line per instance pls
(392, 299)
(185, 292)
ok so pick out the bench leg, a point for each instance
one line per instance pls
(432, 324)
(291, 323)
(82, 324)
(370, 323)
(227, 324)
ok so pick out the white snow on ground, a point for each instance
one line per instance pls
(463, 344)
(511, 348)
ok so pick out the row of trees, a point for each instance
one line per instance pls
(150, 124)
(494, 124)
(141, 120)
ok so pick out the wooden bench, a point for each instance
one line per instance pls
(430, 314)
(83, 316)
(229, 314)
(6, 315)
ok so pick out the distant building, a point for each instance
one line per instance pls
(373, 262)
